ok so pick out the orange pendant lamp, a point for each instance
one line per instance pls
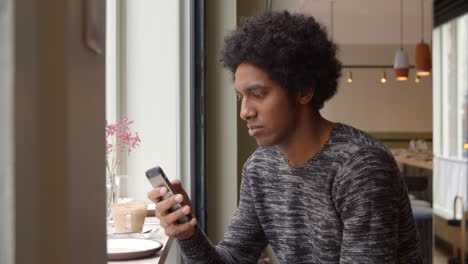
(422, 58)
(401, 64)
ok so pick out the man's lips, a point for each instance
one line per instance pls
(254, 130)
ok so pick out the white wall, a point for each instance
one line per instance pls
(7, 219)
(373, 21)
(375, 107)
(152, 88)
(368, 22)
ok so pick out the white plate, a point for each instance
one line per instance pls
(131, 248)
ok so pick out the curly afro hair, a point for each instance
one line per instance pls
(293, 49)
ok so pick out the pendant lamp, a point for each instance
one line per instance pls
(401, 64)
(422, 58)
(350, 77)
(383, 77)
(417, 79)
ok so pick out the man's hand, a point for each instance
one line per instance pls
(167, 220)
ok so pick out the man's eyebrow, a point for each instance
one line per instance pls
(254, 87)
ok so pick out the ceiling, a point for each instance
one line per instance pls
(372, 21)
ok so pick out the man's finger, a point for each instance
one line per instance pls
(163, 206)
(176, 215)
(156, 194)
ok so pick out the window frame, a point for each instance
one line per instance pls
(192, 91)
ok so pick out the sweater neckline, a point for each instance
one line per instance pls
(313, 158)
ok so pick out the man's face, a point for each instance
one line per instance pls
(264, 105)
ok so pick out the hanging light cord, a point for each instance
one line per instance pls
(332, 3)
(269, 5)
(401, 24)
(422, 20)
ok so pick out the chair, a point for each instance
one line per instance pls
(423, 216)
(462, 223)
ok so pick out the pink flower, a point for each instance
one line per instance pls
(119, 140)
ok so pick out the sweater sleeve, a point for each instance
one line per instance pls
(373, 204)
(242, 243)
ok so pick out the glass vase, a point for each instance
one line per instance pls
(112, 192)
(115, 191)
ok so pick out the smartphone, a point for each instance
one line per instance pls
(157, 178)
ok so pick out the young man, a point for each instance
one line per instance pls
(317, 191)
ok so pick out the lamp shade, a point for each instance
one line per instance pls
(401, 59)
(401, 65)
(422, 60)
(401, 74)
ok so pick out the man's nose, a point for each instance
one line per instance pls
(247, 111)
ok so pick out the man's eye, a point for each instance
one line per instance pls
(258, 95)
(239, 97)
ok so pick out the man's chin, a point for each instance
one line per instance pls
(262, 142)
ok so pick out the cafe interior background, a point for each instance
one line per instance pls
(161, 70)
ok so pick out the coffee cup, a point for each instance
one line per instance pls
(129, 217)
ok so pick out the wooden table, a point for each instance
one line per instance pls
(160, 256)
(411, 159)
(423, 164)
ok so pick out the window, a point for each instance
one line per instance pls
(146, 81)
(451, 89)
(148, 73)
(450, 114)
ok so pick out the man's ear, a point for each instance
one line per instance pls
(306, 96)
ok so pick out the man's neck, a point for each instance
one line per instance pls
(311, 133)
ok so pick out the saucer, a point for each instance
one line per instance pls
(131, 248)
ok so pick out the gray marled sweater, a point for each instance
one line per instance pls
(347, 204)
